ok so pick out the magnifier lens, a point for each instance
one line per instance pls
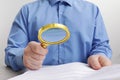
(53, 35)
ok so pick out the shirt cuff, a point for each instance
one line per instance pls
(102, 54)
(19, 59)
(99, 54)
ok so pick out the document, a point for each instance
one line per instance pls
(71, 71)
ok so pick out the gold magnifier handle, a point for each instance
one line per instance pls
(44, 45)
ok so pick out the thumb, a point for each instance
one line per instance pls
(104, 61)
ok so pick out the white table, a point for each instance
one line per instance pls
(6, 73)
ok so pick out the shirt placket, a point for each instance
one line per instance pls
(60, 46)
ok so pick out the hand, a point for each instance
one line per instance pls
(98, 61)
(34, 55)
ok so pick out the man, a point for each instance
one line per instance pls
(88, 42)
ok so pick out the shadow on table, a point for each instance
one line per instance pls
(6, 72)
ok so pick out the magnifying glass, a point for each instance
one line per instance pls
(53, 34)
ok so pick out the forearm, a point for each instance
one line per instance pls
(17, 41)
(13, 58)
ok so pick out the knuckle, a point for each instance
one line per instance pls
(31, 43)
(46, 51)
(42, 57)
(26, 64)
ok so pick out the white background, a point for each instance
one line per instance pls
(110, 10)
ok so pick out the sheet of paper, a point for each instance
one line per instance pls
(71, 71)
(106, 73)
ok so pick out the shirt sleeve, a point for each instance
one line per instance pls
(100, 43)
(17, 41)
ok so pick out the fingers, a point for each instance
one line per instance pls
(94, 63)
(33, 61)
(33, 64)
(37, 56)
(98, 61)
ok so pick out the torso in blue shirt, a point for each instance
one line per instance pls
(88, 35)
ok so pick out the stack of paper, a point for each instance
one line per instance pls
(71, 71)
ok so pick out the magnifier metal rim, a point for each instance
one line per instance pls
(50, 26)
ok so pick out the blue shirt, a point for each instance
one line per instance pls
(83, 19)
